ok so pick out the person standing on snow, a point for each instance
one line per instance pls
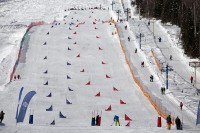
(15, 77)
(151, 78)
(135, 50)
(126, 27)
(18, 77)
(1, 116)
(170, 57)
(181, 105)
(178, 123)
(162, 90)
(97, 120)
(159, 39)
(142, 64)
(191, 79)
(169, 122)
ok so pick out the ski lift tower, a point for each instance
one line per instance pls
(153, 27)
(128, 10)
(118, 12)
(194, 64)
(113, 2)
(166, 69)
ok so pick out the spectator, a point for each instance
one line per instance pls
(191, 79)
(181, 105)
(1, 116)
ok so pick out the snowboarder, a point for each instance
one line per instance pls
(159, 39)
(181, 105)
(18, 77)
(169, 122)
(116, 120)
(97, 120)
(178, 123)
(47, 33)
(151, 78)
(129, 39)
(170, 57)
(1, 116)
(191, 79)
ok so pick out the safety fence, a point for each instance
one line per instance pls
(155, 59)
(155, 101)
(21, 45)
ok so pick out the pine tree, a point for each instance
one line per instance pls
(158, 8)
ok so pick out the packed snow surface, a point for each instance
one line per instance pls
(80, 54)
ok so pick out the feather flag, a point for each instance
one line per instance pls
(20, 94)
(25, 103)
(198, 115)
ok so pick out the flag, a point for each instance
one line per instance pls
(98, 94)
(127, 118)
(107, 76)
(109, 108)
(198, 114)
(20, 94)
(115, 89)
(53, 122)
(128, 124)
(88, 83)
(50, 108)
(61, 115)
(122, 102)
(26, 100)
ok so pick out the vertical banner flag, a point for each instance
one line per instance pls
(198, 115)
(20, 94)
(22, 112)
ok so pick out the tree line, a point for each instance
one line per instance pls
(183, 13)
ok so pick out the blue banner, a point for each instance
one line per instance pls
(17, 111)
(24, 106)
(198, 115)
(20, 94)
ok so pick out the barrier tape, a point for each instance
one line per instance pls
(155, 59)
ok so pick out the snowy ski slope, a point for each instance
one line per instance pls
(91, 55)
(96, 51)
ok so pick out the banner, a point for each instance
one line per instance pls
(25, 103)
(198, 115)
(20, 94)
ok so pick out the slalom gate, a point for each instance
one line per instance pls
(155, 102)
(21, 45)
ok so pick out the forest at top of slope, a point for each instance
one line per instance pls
(183, 13)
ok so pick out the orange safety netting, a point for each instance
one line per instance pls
(157, 108)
